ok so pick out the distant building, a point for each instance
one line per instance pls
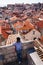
(40, 26)
(32, 34)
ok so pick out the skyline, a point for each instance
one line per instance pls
(5, 2)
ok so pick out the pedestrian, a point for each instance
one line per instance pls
(18, 47)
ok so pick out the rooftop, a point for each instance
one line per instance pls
(40, 24)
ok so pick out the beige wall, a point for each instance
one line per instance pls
(30, 35)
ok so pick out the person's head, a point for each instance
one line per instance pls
(18, 39)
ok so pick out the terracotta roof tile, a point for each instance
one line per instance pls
(18, 25)
(13, 18)
(27, 25)
(0, 30)
(24, 17)
(40, 24)
(41, 38)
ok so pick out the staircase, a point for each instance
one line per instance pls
(39, 49)
(40, 53)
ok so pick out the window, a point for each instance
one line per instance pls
(33, 32)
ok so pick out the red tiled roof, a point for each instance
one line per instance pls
(1, 21)
(40, 24)
(4, 29)
(41, 38)
(18, 25)
(27, 25)
(25, 16)
(0, 30)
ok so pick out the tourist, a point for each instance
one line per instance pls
(18, 47)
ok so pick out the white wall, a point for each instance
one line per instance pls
(36, 58)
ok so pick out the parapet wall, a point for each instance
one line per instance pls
(9, 54)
